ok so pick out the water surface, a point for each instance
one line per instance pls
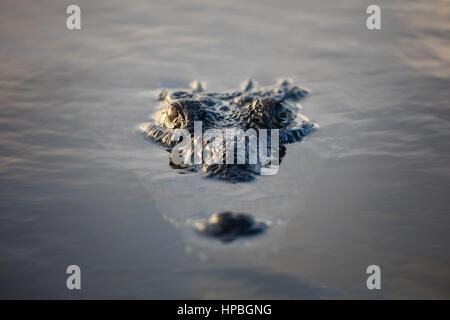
(80, 185)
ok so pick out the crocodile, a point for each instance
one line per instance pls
(252, 107)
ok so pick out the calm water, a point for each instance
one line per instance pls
(79, 185)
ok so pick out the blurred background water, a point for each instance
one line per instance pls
(79, 185)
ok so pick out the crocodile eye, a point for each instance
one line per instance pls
(173, 118)
(172, 114)
(262, 111)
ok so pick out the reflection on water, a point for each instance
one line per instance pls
(80, 185)
(429, 50)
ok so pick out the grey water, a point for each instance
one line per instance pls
(79, 184)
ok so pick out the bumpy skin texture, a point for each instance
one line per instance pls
(228, 226)
(250, 108)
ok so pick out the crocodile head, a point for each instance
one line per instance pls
(242, 110)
